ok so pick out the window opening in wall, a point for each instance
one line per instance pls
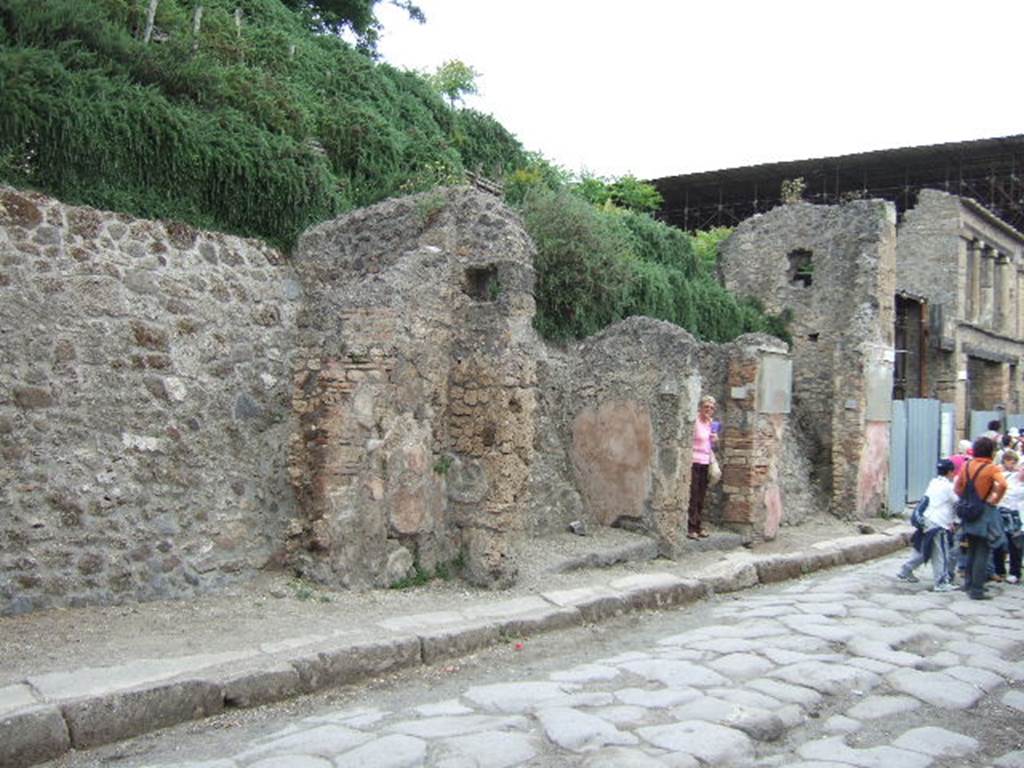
(812, 336)
(801, 267)
(482, 283)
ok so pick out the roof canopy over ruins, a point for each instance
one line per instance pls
(987, 170)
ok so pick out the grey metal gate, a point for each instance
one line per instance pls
(924, 429)
(898, 457)
(947, 440)
(979, 422)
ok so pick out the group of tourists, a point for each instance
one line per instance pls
(968, 523)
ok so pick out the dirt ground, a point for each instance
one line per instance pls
(275, 606)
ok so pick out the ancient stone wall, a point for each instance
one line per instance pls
(415, 390)
(833, 267)
(144, 397)
(179, 408)
(616, 428)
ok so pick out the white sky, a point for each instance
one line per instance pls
(661, 87)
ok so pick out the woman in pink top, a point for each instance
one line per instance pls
(704, 441)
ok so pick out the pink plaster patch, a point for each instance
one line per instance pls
(773, 511)
(873, 473)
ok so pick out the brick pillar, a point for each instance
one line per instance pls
(750, 452)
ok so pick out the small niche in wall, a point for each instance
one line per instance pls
(812, 336)
(801, 267)
(482, 283)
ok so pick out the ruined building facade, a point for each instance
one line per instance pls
(833, 269)
(929, 307)
(179, 409)
(960, 306)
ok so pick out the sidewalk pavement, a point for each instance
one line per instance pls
(44, 715)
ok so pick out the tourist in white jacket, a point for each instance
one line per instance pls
(931, 543)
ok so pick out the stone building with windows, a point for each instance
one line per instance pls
(959, 313)
(927, 305)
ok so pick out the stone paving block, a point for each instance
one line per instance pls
(937, 742)
(873, 649)
(981, 678)
(793, 694)
(872, 707)
(123, 714)
(32, 735)
(729, 575)
(547, 619)
(595, 604)
(418, 621)
(15, 697)
(325, 740)
(827, 678)
(578, 731)
(821, 559)
(492, 749)
(775, 568)
(514, 698)
(504, 609)
(649, 591)
(835, 749)
(675, 674)
(445, 726)
(662, 699)
(841, 724)
(623, 757)
(585, 673)
(457, 641)
(741, 666)
(935, 688)
(395, 751)
(758, 724)
(623, 714)
(708, 742)
(1010, 760)
(1014, 699)
(255, 683)
(292, 761)
(99, 681)
(862, 548)
(341, 663)
(362, 718)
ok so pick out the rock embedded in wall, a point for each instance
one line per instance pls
(612, 449)
(143, 405)
(440, 287)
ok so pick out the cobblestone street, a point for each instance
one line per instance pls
(844, 668)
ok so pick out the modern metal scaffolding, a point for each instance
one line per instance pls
(988, 171)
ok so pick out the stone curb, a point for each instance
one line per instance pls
(34, 730)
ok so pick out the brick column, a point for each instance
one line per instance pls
(750, 452)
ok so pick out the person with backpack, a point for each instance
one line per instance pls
(980, 486)
(1009, 509)
(933, 519)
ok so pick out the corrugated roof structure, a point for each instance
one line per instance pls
(987, 170)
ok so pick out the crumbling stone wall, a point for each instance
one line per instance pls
(969, 266)
(833, 267)
(179, 408)
(415, 391)
(616, 430)
(144, 398)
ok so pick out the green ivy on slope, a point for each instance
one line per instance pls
(599, 264)
(261, 128)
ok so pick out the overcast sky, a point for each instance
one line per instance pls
(660, 87)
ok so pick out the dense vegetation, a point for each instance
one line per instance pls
(260, 127)
(264, 121)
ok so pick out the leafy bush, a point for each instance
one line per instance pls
(599, 264)
(582, 264)
(260, 130)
